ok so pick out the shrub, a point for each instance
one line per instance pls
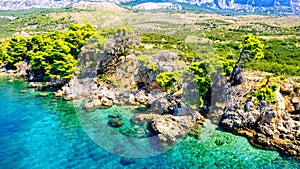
(267, 93)
(202, 79)
(166, 79)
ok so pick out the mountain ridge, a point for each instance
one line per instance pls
(277, 6)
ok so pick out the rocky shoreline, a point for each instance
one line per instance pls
(274, 126)
(170, 115)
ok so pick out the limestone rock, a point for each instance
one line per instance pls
(171, 128)
(58, 93)
(106, 102)
(89, 106)
(69, 97)
(33, 85)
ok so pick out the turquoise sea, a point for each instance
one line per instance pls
(38, 132)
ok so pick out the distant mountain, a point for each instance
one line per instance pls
(157, 5)
(270, 6)
(26, 4)
(223, 4)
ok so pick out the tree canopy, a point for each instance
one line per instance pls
(53, 54)
(252, 46)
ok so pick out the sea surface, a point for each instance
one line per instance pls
(44, 133)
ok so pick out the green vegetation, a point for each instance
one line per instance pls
(165, 42)
(16, 50)
(266, 93)
(276, 55)
(228, 66)
(280, 57)
(167, 79)
(253, 46)
(202, 79)
(36, 20)
(1, 56)
(52, 54)
(250, 48)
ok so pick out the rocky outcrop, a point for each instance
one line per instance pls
(267, 125)
(268, 129)
(34, 85)
(102, 102)
(290, 92)
(171, 128)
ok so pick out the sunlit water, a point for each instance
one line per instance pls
(40, 132)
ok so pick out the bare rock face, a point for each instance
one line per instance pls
(171, 128)
(139, 97)
(291, 94)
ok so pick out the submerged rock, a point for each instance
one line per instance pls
(44, 94)
(89, 106)
(127, 161)
(114, 116)
(115, 123)
(23, 91)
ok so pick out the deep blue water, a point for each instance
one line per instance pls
(40, 132)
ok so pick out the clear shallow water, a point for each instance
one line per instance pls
(40, 132)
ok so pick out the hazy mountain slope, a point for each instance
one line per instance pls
(275, 6)
(252, 3)
(25, 4)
